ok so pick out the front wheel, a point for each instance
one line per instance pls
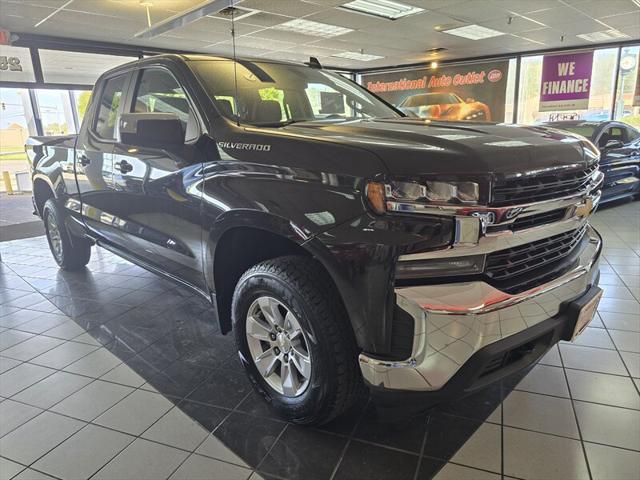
(70, 252)
(295, 340)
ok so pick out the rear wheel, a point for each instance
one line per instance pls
(70, 252)
(295, 340)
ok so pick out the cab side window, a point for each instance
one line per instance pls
(107, 114)
(612, 133)
(632, 134)
(158, 91)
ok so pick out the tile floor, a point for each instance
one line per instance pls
(113, 373)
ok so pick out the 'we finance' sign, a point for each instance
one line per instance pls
(566, 80)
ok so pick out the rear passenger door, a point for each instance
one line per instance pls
(94, 157)
(155, 193)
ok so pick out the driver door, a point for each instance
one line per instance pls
(155, 187)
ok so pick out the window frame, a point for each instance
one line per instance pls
(136, 78)
(95, 100)
(630, 130)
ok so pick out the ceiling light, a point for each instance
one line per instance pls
(363, 57)
(603, 36)
(308, 27)
(382, 8)
(474, 32)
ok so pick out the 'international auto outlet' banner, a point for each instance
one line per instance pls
(472, 92)
(566, 82)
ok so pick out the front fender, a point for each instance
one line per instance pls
(250, 219)
(361, 255)
(293, 203)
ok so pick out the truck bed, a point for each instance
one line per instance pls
(37, 147)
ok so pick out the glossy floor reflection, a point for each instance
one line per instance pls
(115, 373)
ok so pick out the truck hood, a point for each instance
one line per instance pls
(410, 146)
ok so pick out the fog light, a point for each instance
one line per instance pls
(439, 267)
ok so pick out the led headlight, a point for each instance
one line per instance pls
(440, 267)
(453, 192)
(400, 195)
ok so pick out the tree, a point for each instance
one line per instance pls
(83, 103)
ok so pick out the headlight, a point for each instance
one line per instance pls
(397, 195)
(440, 267)
(475, 115)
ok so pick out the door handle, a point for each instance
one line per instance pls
(84, 160)
(123, 166)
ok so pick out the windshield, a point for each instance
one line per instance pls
(271, 94)
(584, 129)
(432, 99)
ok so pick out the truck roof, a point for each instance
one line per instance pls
(204, 57)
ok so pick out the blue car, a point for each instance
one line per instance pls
(619, 146)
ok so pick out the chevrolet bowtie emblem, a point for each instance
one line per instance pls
(585, 208)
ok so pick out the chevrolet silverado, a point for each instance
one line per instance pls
(344, 244)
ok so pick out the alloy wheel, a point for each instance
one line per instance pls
(55, 239)
(278, 346)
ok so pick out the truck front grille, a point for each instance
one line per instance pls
(539, 219)
(541, 187)
(526, 266)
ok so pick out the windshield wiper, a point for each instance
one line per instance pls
(283, 123)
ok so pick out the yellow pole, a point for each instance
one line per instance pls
(7, 182)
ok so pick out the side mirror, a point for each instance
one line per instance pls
(613, 144)
(155, 130)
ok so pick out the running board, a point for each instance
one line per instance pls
(151, 268)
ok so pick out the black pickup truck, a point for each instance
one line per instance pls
(344, 244)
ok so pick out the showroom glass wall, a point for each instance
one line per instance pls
(614, 81)
(614, 85)
(44, 92)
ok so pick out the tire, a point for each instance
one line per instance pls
(70, 252)
(303, 288)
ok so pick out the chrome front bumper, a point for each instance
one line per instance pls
(454, 321)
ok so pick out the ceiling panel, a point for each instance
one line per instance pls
(424, 22)
(525, 6)
(433, 4)
(560, 14)
(518, 24)
(129, 8)
(474, 11)
(344, 19)
(263, 19)
(285, 36)
(264, 43)
(52, 4)
(291, 8)
(214, 27)
(602, 8)
(128, 24)
(22, 14)
(579, 25)
(624, 20)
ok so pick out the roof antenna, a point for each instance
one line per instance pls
(235, 61)
(313, 63)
